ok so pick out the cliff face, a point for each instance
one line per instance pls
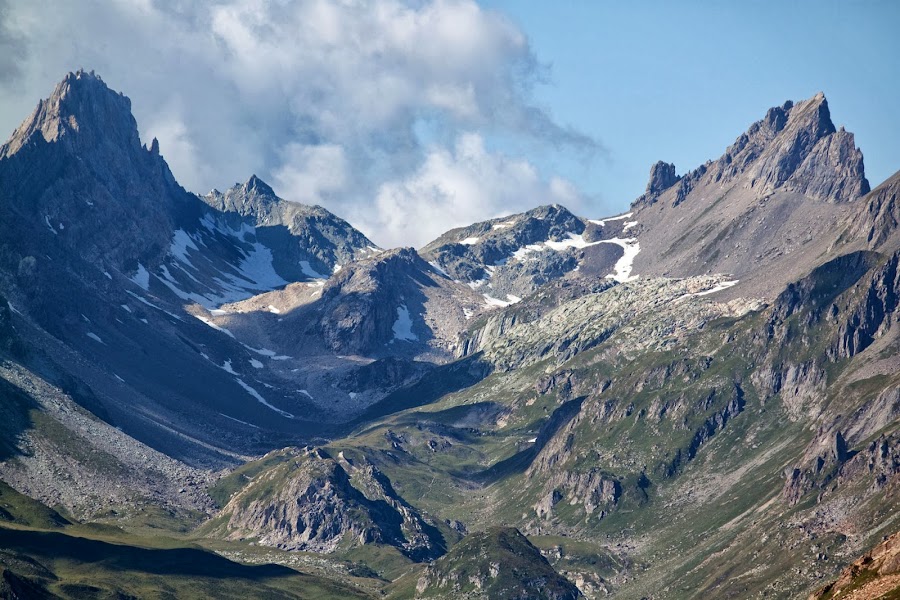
(316, 503)
(783, 189)
(306, 241)
(74, 174)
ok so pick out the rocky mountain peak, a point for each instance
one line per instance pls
(662, 177)
(257, 186)
(796, 147)
(83, 114)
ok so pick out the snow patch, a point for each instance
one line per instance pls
(273, 310)
(575, 240)
(403, 325)
(206, 321)
(722, 286)
(469, 241)
(255, 364)
(266, 352)
(151, 305)
(262, 400)
(437, 267)
(310, 272)
(305, 393)
(495, 302)
(239, 421)
(94, 337)
(142, 278)
(602, 222)
(622, 269)
(181, 242)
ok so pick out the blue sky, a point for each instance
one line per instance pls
(679, 81)
(410, 117)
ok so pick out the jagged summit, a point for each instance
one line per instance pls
(308, 241)
(257, 185)
(784, 185)
(82, 113)
(794, 148)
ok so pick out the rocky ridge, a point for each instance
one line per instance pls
(311, 501)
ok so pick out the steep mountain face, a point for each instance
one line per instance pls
(307, 242)
(311, 501)
(75, 173)
(508, 258)
(698, 397)
(763, 212)
(114, 276)
(877, 227)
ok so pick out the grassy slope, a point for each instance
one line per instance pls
(43, 553)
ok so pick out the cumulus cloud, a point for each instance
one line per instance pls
(321, 97)
(458, 187)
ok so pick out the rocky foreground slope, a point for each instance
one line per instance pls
(698, 397)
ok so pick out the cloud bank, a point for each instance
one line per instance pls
(379, 111)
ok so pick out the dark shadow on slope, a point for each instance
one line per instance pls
(15, 418)
(175, 562)
(520, 461)
(824, 284)
(443, 380)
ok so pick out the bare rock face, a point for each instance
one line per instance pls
(76, 176)
(875, 314)
(313, 503)
(796, 147)
(662, 177)
(876, 574)
(497, 563)
(81, 114)
(880, 221)
(305, 240)
(591, 489)
(360, 302)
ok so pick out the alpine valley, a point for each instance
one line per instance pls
(239, 396)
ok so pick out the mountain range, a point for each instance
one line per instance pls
(239, 395)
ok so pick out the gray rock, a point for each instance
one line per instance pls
(294, 232)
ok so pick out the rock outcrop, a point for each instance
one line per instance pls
(796, 147)
(497, 563)
(306, 241)
(662, 177)
(509, 257)
(875, 312)
(880, 221)
(876, 574)
(311, 502)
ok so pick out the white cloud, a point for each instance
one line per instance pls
(321, 96)
(457, 188)
(312, 173)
